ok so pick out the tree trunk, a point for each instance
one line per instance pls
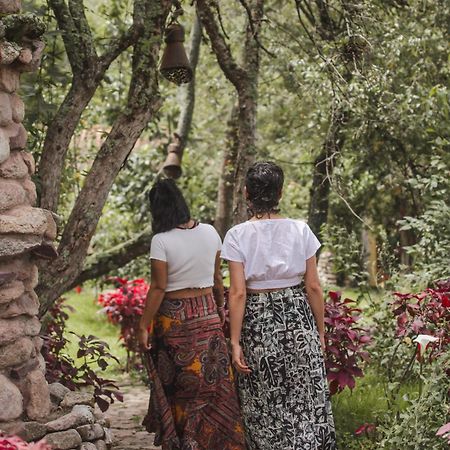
(224, 211)
(143, 103)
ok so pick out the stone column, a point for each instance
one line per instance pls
(26, 232)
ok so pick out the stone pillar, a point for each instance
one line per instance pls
(26, 232)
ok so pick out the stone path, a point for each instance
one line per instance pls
(126, 419)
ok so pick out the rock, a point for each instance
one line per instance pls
(25, 56)
(13, 194)
(91, 432)
(10, 400)
(9, 6)
(27, 304)
(52, 229)
(63, 440)
(17, 108)
(19, 140)
(11, 291)
(57, 392)
(33, 279)
(38, 343)
(109, 438)
(30, 191)
(9, 52)
(88, 446)
(12, 329)
(80, 415)
(41, 363)
(14, 167)
(37, 51)
(16, 353)
(29, 161)
(33, 431)
(101, 445)
(12, 428)
(4, 147)
(20, 266)
(7, 277)
(13, 245)
(38, 395)
(6, 114)
(23, 220)
(77, 398)
(9, 78)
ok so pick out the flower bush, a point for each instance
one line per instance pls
(124, 307)
(94, 355)
(344, 341)
(15, 443)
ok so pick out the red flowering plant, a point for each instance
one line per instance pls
(425, 313)
(15, 443)
(124, 307)
(344, 342)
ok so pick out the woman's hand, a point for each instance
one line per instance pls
(143, 337)
(322, 342)
(222, 315)
(238, 360)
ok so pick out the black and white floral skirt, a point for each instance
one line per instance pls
(285, 400)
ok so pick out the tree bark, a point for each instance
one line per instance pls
(143, 103)
(224, 211)
(244, 77)
(88, 71)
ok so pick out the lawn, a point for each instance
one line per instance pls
(87, 318)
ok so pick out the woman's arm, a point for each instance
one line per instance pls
(236, 301)
(315, 296)
(153, 302)
(218, 288)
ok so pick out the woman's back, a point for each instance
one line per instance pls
(273, 251)
(190, 255)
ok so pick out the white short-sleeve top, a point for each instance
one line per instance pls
(190, 255)
(273, 251)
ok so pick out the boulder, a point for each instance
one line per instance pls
(33, 431)
(30, 191)
(13, 194)
(6, 114)
(16, 353)
(80, 415)
(14, 167)
(25, 55)
(11, 400)
(4, 147)
(20, 266)
(29, 161)
(38, 396)
(73, 398)
(9, 78)
(17, 108)
(23, 220)
(27, 304)
(11, 291)
(9, 52)
(64, 440)
(109, 438)
(9, 6)
(12, 329)
(19, 140)
(57, 392)
(88, 446)
(101, 445)
(91, 432)
(15, 245)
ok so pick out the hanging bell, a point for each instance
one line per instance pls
(172, 165)
(175, 65)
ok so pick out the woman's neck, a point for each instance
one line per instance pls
(188, 225)
(266, 216)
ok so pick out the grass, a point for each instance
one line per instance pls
(87, 319)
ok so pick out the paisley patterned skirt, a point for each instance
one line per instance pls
(285, 400)
(193, 402)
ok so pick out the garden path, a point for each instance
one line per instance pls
(126, 419)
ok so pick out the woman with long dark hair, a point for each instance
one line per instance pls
(277, 323)
(193, 404)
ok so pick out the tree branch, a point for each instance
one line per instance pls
(235, 74)
(103, 263)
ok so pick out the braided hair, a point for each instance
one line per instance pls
(264, 183)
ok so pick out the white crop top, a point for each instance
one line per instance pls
(190, 255)
(273, 251)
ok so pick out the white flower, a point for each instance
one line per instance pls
(423, 340)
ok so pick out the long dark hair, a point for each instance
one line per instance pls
(264, 183)
(168, 206)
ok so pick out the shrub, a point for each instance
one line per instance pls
(93, 352)
(124, 307)
(344, 341)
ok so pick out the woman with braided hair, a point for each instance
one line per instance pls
(277, 323)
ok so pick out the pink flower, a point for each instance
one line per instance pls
(444, 431)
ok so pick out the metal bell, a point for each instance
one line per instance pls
(175, 65)
(172, 165)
